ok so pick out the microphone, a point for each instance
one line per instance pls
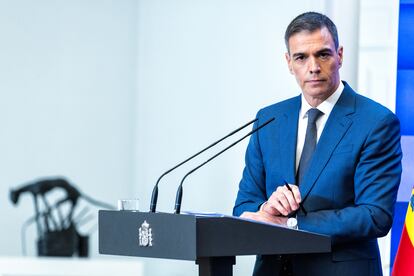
(154, 196)
(179, 194)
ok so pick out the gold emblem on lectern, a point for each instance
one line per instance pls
(145, 234)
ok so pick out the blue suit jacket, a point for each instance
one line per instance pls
(351, 186)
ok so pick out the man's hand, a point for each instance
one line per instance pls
(282, 201)
(265, 217)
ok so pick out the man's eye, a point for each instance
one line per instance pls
(300, 58)
(324, 55)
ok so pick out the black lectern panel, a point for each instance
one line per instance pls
(230, 236)
(172, 236)
(188, 237)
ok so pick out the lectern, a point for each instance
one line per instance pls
(213, 242)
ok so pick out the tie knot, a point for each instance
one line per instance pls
(313, 115)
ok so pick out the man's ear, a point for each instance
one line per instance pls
(340, 55)
(289, 62)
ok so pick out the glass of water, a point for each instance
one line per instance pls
(130, 204)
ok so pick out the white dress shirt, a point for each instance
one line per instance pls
(326, 108)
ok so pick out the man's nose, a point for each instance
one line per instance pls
(314, 67)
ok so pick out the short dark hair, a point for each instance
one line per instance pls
(311, 21)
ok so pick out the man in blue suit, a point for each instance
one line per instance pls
(340, 153)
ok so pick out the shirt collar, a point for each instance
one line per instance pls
(326, 106)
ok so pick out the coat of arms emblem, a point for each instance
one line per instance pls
(145, 234)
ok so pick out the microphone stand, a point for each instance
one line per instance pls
(179, 194)
(154, 196)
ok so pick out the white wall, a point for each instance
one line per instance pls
(377, 68)
(67, 86)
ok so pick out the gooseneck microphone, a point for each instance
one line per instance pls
(179, 194)
(154, 196)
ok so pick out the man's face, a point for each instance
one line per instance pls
(315, 63)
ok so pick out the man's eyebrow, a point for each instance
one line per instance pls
(324, 50)
(298, 54)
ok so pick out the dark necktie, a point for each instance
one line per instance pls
(310, 143)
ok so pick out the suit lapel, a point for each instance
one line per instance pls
(337, 125)
(287, 145)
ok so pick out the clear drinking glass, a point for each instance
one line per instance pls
(130, 204)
